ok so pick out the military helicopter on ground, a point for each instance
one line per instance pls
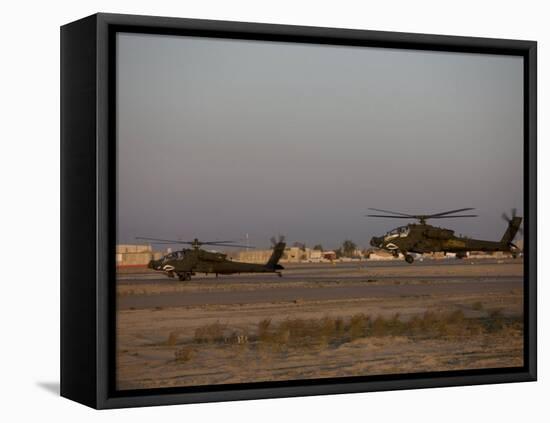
(189, 261)
(423, 238)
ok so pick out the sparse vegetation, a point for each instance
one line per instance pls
(331, 331)
(263, 328)
(478, 306)
(184, 354)
(495, 321)
(348, 248)
(211, 333)
(393, 326)
(300, 245)
(172, 338)
(308, 333)
(358, 326)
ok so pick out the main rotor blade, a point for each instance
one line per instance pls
(451, 217)
(196, 242)
(169, 241)
(391, 217)
(449, 212)
(162, 243)
(231, 245)
(392, 212)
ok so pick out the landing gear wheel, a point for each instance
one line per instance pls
(409, 259)
(280, 275)
(184, 277)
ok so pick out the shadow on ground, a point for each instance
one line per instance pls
(51, 387)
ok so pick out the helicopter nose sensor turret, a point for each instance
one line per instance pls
(153, 264)
(376, 241)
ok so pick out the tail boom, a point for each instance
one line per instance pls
(511, 231)
(273, 262)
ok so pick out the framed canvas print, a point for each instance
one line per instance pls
(255, 211)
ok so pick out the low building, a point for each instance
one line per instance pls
(316, 256)
(329, 255)
(254, 256)
(381, 255)
(295, 255)
(290, 255)
(129, 255)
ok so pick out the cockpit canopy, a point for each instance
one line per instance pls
(176, 255)
(401, 231)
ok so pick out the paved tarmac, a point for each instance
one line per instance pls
(286, 294)
(335, 282)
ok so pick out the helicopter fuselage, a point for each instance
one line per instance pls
(187, 262)
(424, 238)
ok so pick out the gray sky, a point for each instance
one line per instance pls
(219, 138)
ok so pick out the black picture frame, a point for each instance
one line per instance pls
(88, 216)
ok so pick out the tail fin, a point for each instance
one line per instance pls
(278, 251)
(512, 230)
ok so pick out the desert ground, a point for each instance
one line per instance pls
(317, 321)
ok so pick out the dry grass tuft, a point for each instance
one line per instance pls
(263, 328)
(478, 306)
(358, 326)
(172, 338)
(183, 355)
(495, 321)
(298, 333)
(390, 327)
(211, 333)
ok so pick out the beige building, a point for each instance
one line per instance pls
(291, 255)
(128, 255)
(254, 256)
(381, 255)
(295, 255)
(315, 256)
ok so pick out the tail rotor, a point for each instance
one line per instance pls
(278, 251)
(512, 219)
(277, 240)
(514, 226)
(513, 213)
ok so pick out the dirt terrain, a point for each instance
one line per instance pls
(319, 320)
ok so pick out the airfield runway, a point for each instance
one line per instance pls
(319, 282)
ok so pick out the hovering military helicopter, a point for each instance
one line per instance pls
(189, 261)
(423, 238)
